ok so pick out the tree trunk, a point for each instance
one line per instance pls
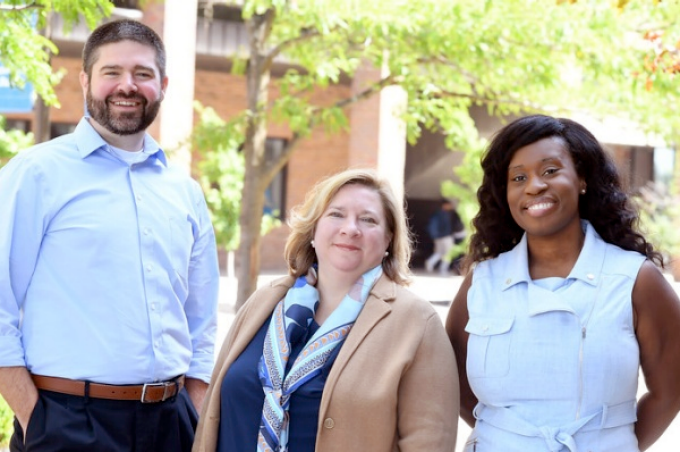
(255, 179)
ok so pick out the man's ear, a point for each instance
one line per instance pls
(164, 86)
(84, 82)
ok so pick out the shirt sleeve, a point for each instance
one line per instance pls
(201, 304)
(22, 223)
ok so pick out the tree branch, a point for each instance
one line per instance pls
(303, 36)
(273, 167)
(493, 101)
(4, 8)
(368, 92)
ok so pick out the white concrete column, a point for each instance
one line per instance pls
(392, 137)
(177, 116)
(377, 133)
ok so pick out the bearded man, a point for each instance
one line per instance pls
(108, 270)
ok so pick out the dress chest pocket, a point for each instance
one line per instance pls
(488, 346)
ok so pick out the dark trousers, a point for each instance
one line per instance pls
(65, 423)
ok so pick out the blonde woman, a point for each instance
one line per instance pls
(337, 356)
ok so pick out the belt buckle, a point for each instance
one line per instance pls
(164, 384)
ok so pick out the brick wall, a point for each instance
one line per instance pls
(317, 156)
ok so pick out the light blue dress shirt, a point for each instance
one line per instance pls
(108, 270)
(554, 363)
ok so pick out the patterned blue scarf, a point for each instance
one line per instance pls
(290, 320)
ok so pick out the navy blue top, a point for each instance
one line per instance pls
(243, 397)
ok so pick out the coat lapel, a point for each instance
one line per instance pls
(377, 307)
(259, 310)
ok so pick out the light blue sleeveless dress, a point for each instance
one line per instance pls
(554, 362)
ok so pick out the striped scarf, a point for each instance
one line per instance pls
(290, 320)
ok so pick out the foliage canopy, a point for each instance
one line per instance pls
(25, 52)
(603, 58)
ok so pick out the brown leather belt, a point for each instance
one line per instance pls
(146, 393)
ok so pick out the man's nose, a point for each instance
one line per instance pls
(127, 84)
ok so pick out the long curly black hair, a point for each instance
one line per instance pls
(605, 205)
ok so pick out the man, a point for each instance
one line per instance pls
(108, 270)
(444, 227)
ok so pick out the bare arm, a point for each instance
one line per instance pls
(657, 327)
(196, 389)
(19, 392)
(455, 328)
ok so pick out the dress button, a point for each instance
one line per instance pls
(329, 423)
(508, 281)
(590, 276)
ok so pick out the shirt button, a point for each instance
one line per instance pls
(146, 231)
(329, 423)
(485, 328)
(508, 281)
(590, 276)
(153, 306)
(139, 197)
(149, 268)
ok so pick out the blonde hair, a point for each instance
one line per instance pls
(299, 253)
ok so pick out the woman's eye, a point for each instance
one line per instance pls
(518, 178)
(551, 171)
(335, 214)
(368, 220)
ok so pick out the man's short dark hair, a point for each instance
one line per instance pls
(122, 30)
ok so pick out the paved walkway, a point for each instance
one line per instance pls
(440, 291)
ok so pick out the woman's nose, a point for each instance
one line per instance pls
(535, 185)
(350, 227)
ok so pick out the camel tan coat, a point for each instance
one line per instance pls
(393, 386)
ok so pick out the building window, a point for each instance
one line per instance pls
(275, 195)
(216, 11)
(58, 129)
(127, 4)
(18, 124)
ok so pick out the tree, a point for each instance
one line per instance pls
(25, 52)
(513, 57)
(12, 141)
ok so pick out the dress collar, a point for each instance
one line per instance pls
(588, 266)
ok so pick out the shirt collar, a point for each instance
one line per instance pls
(588, 266)
(88, 140)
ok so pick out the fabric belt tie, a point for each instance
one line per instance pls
(558, 437)
(146, 393)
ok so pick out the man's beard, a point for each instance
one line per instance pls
(122, 123)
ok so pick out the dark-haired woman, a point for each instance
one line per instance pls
(563, 305)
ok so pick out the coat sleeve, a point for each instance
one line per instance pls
(428, 394)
